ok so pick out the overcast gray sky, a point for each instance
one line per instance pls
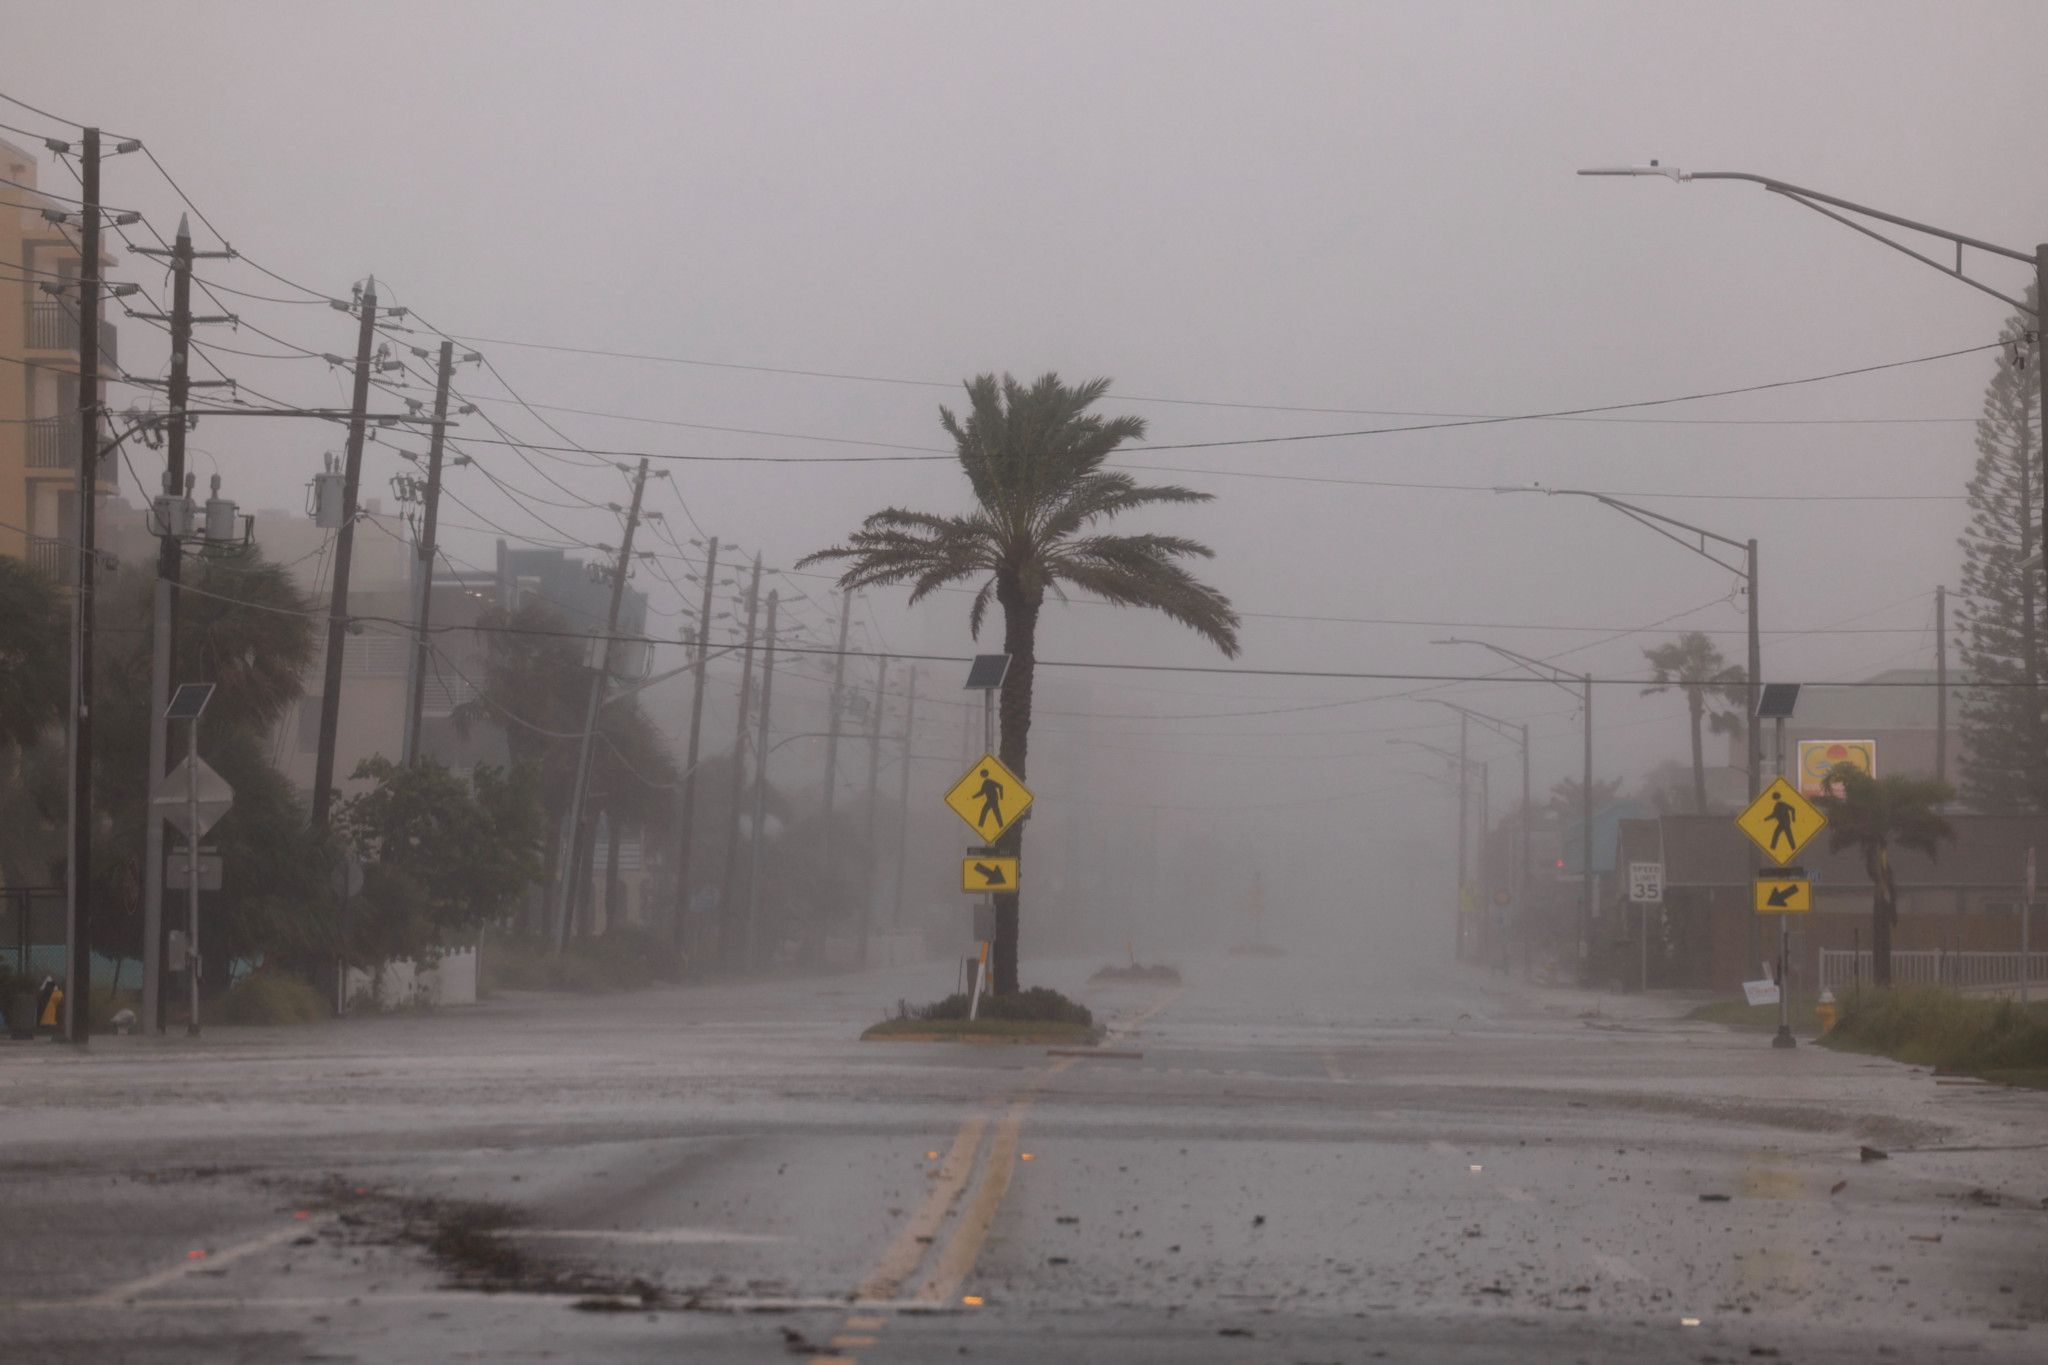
(1366, 206)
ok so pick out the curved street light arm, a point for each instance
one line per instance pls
(1505, 729)
(1813, 199)
(1550, 673)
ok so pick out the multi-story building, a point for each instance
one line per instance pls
(39, 435)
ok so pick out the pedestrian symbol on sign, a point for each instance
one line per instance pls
(990, 794)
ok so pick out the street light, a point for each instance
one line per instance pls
(1519, 733)
(1560, 678)
(1746, 570)
(1464, 767)
(1815, 200)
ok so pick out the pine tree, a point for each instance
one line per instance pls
(2004, 728)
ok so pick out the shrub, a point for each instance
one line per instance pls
(1933, 1027)
(273, 998)
(623, 958)
(1039, 1004)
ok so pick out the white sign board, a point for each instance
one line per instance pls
(1646, 883)
(1761, 992)
(170, 799)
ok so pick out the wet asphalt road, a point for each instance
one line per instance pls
(1284, 1160)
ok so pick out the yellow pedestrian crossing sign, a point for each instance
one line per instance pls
(979, 874)
(990, 798)
(1783, 896)
(1781, 821)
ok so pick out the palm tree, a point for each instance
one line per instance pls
(1872, 814)
(1716, 692)
(1566, 801)
(1034, 461)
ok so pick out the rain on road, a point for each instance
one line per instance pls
(1278, 1161)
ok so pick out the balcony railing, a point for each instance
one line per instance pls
(53, 326)
(50, 557)
(53, 443)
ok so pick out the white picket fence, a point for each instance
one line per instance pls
(1844, 967)
(402, 982)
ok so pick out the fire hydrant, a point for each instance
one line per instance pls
(1824, 1010)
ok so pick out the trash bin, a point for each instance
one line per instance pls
(21, 1014)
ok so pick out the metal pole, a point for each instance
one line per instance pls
(573, 866)
(760, 788)
(988, 740)
(1586, 836)
(1749, 724)
(1940, 683)
(2041, 377)
(686, 813)
(1784, 1036)
(192, 873)
(423, 607)
(729, 926)
(344, 553)
(903, 800)
(78, 875)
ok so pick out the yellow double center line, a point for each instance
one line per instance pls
(952, 1263)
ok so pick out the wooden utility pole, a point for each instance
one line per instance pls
(867, 900)
(760, 821)
(686, 812)
(78, 881)
(730, 912)
(344, 554)
(170, 566)
(903, 799)
(579, 837)
(834, 706)
(423, 605)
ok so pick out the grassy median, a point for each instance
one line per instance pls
(1038, 1015)
(1999, 1040)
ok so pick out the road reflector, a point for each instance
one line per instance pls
(990, 798)
(1780, 821)
(981, 874)
(1783, 896)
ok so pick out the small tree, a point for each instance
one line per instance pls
(443, 854)
(1872, 814)
(1716, 695)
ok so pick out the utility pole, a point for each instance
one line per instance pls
(686, 813)
(1586, 832)
(836, 706)
(78, 879)
(1940, 682)
(903, 799)
(572, 865)
(760, 790)
(729, 926)
(867, 900)
(344, 553)
(424, 599)
(170, 566)
(1464, 805)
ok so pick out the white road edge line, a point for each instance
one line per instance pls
(133, 1289)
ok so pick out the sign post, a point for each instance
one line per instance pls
(1645, 889)
(188, 703)
(990, 798)
(1780, 822)
(2026, 921)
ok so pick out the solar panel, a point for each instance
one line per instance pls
(987, 671)
(1777, 701)
(188, 701)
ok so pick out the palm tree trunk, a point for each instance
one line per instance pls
(1020, 642)
(1696, 704)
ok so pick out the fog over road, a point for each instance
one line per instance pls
(1281, 1160)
